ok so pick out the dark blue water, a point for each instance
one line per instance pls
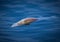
(47, 29)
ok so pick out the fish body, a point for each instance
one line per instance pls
(25, 21)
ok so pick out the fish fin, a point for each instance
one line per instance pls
(27, 24)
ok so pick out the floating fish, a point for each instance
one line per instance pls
(25, 21)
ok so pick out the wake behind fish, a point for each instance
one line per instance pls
(46, 18)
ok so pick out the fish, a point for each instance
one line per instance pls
(25, 21)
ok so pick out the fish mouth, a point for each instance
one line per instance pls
(17, 24)
(14, 25)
